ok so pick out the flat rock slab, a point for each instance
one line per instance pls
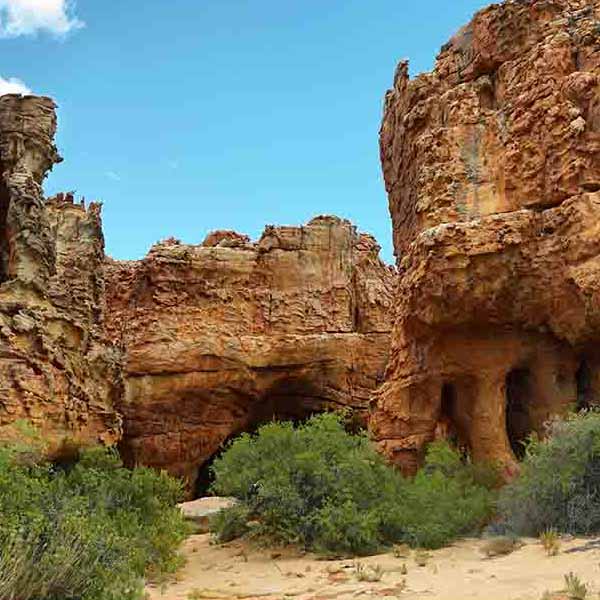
(199, 511)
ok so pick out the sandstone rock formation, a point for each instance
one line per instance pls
(226, 335)
(492, 166)
(55, 369)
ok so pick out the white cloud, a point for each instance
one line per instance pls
(27, 17)
(12, 85)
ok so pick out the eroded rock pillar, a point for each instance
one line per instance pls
(487, 434)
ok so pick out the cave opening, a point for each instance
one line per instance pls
(448, 404)
(449, 427)
(205, 477)
(4, 235)
(518, 418)
(294, 400)
(583, 380)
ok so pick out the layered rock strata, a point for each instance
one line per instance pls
(492, 167)
(224, 336)
(56, 371)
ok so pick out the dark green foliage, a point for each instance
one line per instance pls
(318, 486)
(89, 532)
(445, 500)
(347, 530)
(559, 485)
(230, 524)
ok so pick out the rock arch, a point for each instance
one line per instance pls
(292, 398)
(224, 335)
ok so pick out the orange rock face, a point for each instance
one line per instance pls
(55, 369)
(492, 167)
(226, 335)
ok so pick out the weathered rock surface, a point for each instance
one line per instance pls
(199, 512)
(492, 166)
(55, 369)
(224, 336)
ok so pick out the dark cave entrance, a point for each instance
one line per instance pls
(4, 235)
(584, 383)
(446, 426)
(294, 400)
(449, 426)
(448, 401)
(205, 477)
(518, 419)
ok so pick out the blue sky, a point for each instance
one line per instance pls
(184, 116)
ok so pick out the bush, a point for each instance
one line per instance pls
(446, 499)
(500, 546)
(231, 523)
(318, 486)
(550, 541)
(91, 531)
(559, 485)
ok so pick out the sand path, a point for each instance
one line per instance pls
(460, 572)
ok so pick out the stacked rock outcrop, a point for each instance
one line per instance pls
(56, 371)
(492, 167)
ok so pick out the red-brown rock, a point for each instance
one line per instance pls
(492, 166)
(226, 335)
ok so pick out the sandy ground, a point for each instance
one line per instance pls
(460, 572)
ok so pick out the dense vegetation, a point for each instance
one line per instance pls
(328, 490)
(559, 485)
(92, 530)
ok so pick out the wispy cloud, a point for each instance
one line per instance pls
(28, 17)
(112, 175)
(12, 85)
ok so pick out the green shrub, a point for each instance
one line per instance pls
(500, 546)
(369, 573)
(92, 531)
(550, 541)
(346, 529)
(446, 499)
(330, 491)
(559, 485)
(575, 588)
(231, 523)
